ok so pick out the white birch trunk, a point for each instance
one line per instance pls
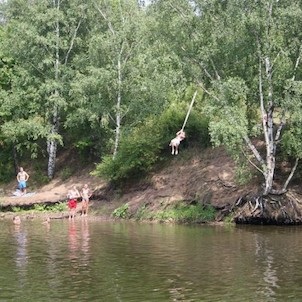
(269, 135)
(52, 143)
(118, 109)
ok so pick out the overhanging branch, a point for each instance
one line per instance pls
(291, 175)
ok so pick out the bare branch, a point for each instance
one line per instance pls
(216, 72)
(178, 10)
(254, 150)
(121, 12)
(282, 123)
(106, 19)
(297, 63)
(263, 111)
(208, 92)
(291, 175)
(72, 42)
(253, 164)
(125, 113)
(200, 65)
(110, 116)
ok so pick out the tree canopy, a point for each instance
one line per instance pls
(93, 74)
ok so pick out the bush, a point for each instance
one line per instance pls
(121, 212)
(135, 157)
(188, 213)
(142, 147)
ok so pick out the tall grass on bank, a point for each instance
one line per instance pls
(178, 213)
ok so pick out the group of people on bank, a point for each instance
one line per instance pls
(72, 196)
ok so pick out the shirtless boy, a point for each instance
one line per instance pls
(22, 178)
(72, 196)
(86, 194)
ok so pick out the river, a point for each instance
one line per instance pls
(89, 260)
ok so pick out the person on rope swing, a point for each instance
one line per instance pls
(175, 142)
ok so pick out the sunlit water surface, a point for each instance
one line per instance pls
(109, 261)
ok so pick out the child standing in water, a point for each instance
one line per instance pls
(86, 194)
(72, 196)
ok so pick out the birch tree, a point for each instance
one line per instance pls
(44, 40)
(246, 55)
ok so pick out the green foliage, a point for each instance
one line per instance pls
(42, 208)
(228, 219)
(142, 213)
(16, 209)
(7, 169)
(38, 177)
(172, 119)
(38, 207)
(137, 153)
(183, 213)
(121, 212)
(228, 113)
(143, 146)
(66, 172)
(83, 146)
(58, 207)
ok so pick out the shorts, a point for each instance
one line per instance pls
(175, 142)
(72, 204)
(22, 185)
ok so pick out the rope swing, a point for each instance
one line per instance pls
(180, 135)
(189, 111)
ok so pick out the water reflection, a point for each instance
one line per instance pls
(72, 241)
(21, 257)
(21, 253)
(85, 244)
(79, 242)
(85, 260)
(265, 261)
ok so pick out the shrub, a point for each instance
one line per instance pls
(136, 155)
(121, 212)
(187, 213)
(142, 147)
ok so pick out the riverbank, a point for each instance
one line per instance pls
(197, 186)
(195, 179)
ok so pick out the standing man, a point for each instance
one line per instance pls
(22, 178)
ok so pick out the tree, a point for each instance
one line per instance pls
(246, 56)
(129, 74)
(47, 35)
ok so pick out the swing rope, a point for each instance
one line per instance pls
(189, 111)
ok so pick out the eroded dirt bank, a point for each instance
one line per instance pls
(194, 176)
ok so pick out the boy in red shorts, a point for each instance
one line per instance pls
(72, 196)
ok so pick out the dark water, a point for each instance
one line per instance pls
(109, 261)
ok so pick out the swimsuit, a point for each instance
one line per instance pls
(72, 203)
(22, 184)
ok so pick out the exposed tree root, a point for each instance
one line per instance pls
(283, 209)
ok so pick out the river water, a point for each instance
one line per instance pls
(88, 260)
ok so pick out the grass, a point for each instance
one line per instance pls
(187, 214)
(42, 208)
(177, 213)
